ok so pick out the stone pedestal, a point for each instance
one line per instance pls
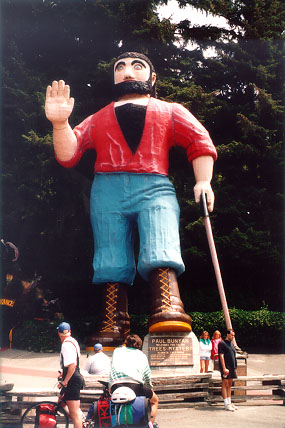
(241, 371)
(175, 351)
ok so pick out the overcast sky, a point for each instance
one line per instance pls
(176, 14)
(171, 10)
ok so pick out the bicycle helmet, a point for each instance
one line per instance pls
(123, 395)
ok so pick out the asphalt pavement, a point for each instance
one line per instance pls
(39, 371)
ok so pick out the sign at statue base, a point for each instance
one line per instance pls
(170, 350)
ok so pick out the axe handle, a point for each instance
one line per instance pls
(215, 261)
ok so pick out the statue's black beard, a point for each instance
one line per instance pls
(132, 87)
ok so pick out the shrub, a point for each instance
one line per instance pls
(37, 336)
(255, 330)
(261, 329)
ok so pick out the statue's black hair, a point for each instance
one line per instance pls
(136, 55)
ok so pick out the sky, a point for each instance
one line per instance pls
(172, 10)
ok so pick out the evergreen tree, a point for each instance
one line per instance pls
(236, 94)
(245, 122)
(46, 208)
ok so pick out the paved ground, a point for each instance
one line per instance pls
(39, 370)
(269, 416)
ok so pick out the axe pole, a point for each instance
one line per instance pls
(216, 265)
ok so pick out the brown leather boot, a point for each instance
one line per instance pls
(167, 309)
(114, 323)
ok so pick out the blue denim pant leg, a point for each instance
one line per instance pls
(112, 231)
(118, 201)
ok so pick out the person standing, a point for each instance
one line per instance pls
(227, 365)
(216, 339)
(205, 346)
(71, 379)
(99, 363)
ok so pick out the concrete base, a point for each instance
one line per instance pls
(194, 368)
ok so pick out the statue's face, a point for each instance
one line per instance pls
(131, 69)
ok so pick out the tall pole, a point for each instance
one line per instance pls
(216, 265)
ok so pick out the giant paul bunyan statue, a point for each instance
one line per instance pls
(132, 137)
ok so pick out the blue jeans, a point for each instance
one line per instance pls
(119, 202)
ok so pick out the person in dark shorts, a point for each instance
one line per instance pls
(227, 365)
(130, 368)
(71, 379)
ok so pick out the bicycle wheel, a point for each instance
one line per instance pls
(44, 414)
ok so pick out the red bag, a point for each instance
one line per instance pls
(47, 421)
(45, 417)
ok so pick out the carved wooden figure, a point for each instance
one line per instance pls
(132, 137)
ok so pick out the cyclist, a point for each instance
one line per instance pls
(71, 379)
(130, 368)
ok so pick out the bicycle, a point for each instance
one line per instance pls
(50, 414)
(45, 414)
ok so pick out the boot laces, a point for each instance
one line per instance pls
(165, 289)
(111, 305)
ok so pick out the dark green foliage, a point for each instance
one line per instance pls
(245, 121)
(255, 330)
(260, 330)
(237, 94)
(257, 19)
(37, 336)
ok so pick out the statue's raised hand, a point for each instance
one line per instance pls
(59, 104)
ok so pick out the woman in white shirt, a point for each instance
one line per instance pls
(205, 351)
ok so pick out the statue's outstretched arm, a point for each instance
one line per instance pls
(58, 107)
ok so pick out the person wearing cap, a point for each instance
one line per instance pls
(132, 137)
(71, 379)
(99, 363)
